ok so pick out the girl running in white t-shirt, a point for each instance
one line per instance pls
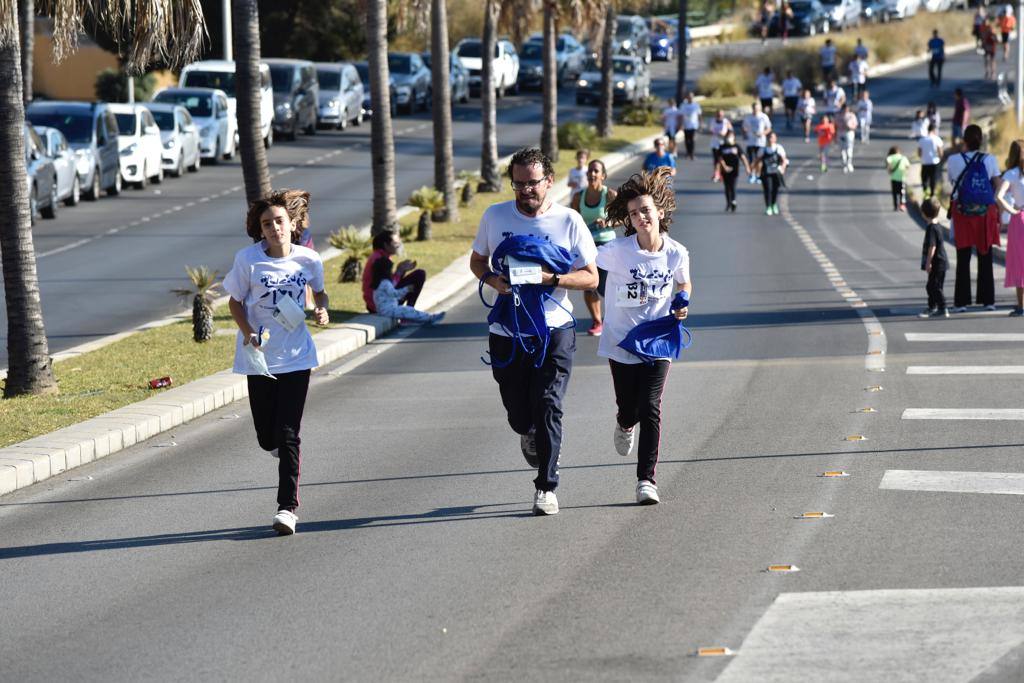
(807, 108)
(267, 286)
(646, 269)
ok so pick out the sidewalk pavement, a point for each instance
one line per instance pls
(42, 457)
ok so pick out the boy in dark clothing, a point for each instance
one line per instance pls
(933, 262)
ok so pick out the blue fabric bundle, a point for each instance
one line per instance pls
(663, 337)
(521, 313)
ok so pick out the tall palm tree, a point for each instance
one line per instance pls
(27, 16)
(167, 31)
(382, 142)
(489, 181)
(549, 127)
(245, 40)
(441, 87)
(604, 109)
(681, 53)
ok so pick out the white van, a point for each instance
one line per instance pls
(220, 74)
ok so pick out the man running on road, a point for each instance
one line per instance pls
(532, 395)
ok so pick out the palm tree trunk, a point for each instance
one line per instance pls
(245, 32)
(27, 15)
(604, 110)
(549, 128)
(382, 142)
(489, 181)
(444, 163)
(28, 355)
(681, 54)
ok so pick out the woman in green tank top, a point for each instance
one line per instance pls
(591, 202)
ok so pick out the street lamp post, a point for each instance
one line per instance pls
(226, 14)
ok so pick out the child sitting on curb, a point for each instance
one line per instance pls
(386, 297)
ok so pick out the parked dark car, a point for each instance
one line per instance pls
(632, 81)
(364, 74)
(632, 37)
(412, 80)
(296, 96)
(458, 76)
(91, 130)
(569, 60)
(809, 19)
(42, 177)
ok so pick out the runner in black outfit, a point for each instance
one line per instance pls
(729, 160)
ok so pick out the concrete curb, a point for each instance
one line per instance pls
(30, 462)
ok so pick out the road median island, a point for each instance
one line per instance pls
(106, 405)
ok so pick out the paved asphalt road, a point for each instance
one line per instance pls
(417, 557)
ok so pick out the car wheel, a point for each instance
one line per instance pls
(76, 192)
(33, 206)
(215, 159)
(229, 155)
(358, 120)
(343, 120)
(180, 169)
(268, 141)
(199, 162)
(118, 185)
(159, 177)
(93, 193)
(51, 209)
(142, 181)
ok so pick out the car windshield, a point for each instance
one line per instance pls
(77, 129)
(281, 78)
(164, 119)
(126, 123)
(560, 45)
(623, 66)
(221, 80)
(400, 64)
(624, 30)
(471, 48)
(197, 105)
(531, 51)
(364, 72)
(329, 79)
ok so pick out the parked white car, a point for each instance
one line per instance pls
(179, 137)
(902, 9)
(209, 110)
(220, 74)
(65, 162)
(138, 142)
(506, 64)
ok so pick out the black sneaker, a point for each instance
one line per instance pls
(528, 442)
(1017, 312)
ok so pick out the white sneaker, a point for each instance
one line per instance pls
(623, 440)
(528, 444)
(284, 522)
(647, 493)
(545, 503)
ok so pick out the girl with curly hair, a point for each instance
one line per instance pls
(267, 285)
(648, 278)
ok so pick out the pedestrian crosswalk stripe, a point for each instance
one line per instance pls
(1007, 483)
(964, 336)
(934, 634)
(963, 414)
(965, 370)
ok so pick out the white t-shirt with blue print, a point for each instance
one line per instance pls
(259, 282)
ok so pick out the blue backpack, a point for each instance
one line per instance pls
(661, 338)
(973, 189)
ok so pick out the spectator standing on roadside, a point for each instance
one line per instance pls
(897, 164)
(532, 388)
(771, 167)
(961, 115)
(578, 174)
(690, 114)
(791, 87)
(975, 218)
(592, 204)
(865, 114)
(720, 127)
(670, 121)
(660, 157)
(650, 275)
(756, 126)
(826, 132)
(933, 262)
(937, 48)
(785, 20)
(988, 47)
(860, 49)
(1007, 22)
(406, 276)
(728, 166)
(765, 85)
(827, 55)
(767, 10)
(858, 75)
(1010, 198)
(846, 126)
(930, 148)
(834, 98)
(807, 108)
(274, 348)
(979, 19)
(919, 126)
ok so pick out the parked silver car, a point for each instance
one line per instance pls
(91, 130)
(843, 13)
(69, 185)
(569, 60)
(412, 80)
(42, 178)
(632, 81)
(341, 94)
(209, 110)
(458, 76)
(179, 137)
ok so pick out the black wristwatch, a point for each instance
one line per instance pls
(554, 279)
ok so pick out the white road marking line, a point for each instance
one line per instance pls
(1006, 483)
(963, 414)
(935, 634)
(964, 336)
(965, 370)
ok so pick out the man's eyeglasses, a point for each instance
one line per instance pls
(520, 185)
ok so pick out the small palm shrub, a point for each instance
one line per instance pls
(203, 291)
(356, 249)
(428, 200)
(643, 113)
(576, 135)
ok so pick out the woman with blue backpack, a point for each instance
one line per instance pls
(648, 294)
(974, 217)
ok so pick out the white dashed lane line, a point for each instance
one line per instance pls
(1005, 483)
